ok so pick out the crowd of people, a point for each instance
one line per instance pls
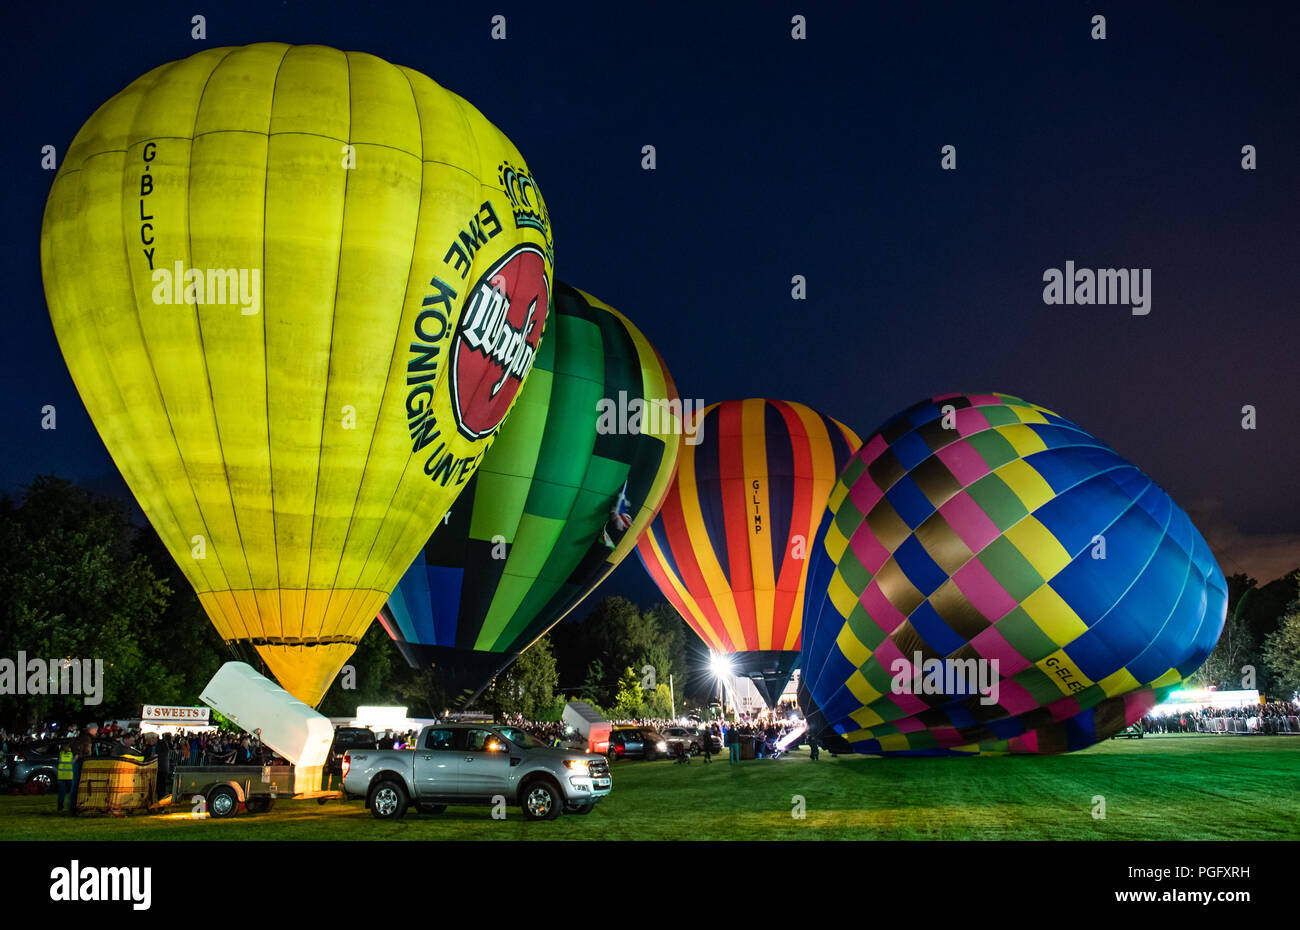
(210, 747)
(768, 734)
(765, 731)
(74, 745)
(1273, 718)
(546, 731)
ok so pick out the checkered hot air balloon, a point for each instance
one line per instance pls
(525, 542)
(982, 527)
(729, 547)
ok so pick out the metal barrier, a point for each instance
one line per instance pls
(1280, 725)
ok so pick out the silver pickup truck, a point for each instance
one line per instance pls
(461, 763)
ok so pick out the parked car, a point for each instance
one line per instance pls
(475, 764)
(38, 764)
(346, 738)
(679, 737)
(636, 743)
(35, 765)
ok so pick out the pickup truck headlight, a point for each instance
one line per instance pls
(576, 765)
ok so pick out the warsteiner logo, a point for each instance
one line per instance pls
(497, 340)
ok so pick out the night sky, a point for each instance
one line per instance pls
(821, 158)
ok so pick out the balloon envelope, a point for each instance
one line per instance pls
(991, 532)
(728, 549)
(297, 290)
(558, 502)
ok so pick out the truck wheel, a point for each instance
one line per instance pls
(222, 802)
(259, 805)
(432, 808)
(388, 800)
(585, 808)
(40, 782)
(541, 800)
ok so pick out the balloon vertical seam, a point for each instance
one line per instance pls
(325, 391)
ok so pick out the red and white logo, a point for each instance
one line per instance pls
(497, 339)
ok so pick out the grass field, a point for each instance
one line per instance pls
(1173, 787)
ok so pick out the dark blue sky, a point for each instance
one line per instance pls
(821, 158)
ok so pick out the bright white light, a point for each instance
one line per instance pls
(720, 665)
(381, 718)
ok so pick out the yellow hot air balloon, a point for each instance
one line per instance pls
(297, 290)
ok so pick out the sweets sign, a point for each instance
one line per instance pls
(161, 713)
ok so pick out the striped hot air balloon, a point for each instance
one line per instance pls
(986, 534)
(728, 548)
(557, 503)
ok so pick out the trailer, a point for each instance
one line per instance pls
(589, 724)
(281, 723)
(224, 787)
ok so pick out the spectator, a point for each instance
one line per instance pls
(83, 748)
(66, 778)
(126, 748)
(153, 749)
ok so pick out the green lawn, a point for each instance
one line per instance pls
(1170, 787)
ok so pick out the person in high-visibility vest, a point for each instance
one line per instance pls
(65, 777)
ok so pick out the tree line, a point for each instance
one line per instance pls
(80, 579)
(1259, 647)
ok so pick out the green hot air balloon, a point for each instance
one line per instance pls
(578, 470)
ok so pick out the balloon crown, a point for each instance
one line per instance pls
(526, 199)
